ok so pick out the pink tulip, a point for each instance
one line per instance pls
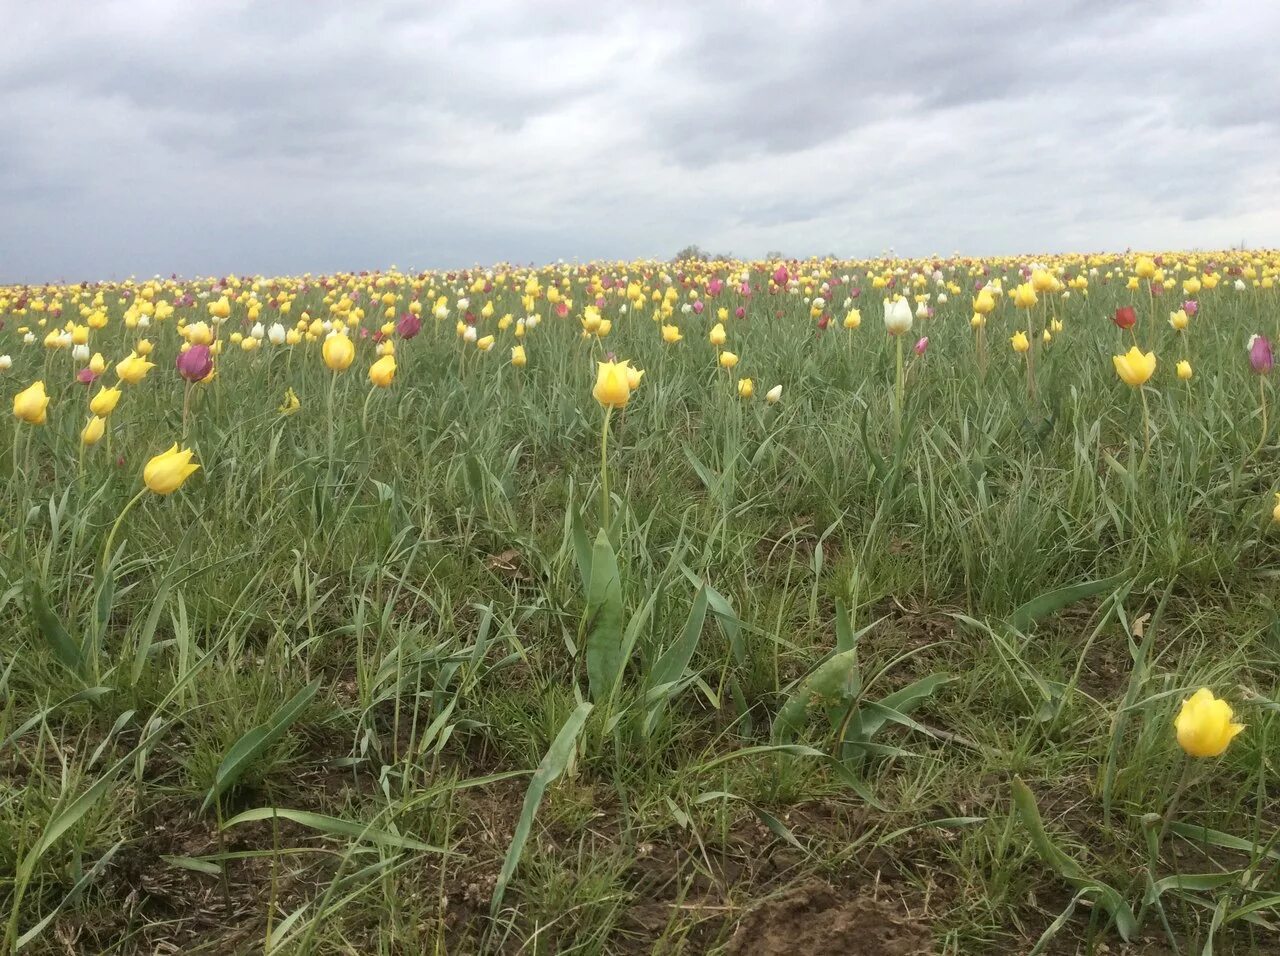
(1191, 307)
(922, 345)
(195, 363)
(1260, 354)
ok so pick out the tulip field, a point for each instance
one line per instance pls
(747, 607)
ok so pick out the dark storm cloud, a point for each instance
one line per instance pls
(145, 136)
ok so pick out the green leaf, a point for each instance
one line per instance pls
(553, 764)
(193, 864)
(334, 826)
(64, 647)
(1053, 601)
(670, 667)
(901, 702)
(1198, 834)
(1191, 882)
(604, 621)
(252, 745)
(835, 680)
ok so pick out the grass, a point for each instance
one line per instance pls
(826, 656)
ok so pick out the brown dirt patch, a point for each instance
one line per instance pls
(815, 919)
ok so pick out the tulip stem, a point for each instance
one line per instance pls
(333, 381)
(186, 411)
(605, 502)
(1146, 424)
(111, 535)
(899, 392)
(1262, 399)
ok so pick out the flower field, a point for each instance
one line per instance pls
(885, 606)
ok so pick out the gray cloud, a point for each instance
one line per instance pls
(141, 136)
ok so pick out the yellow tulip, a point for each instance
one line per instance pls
(383, 371)
(671, 334)
(31, 404)
(1134, 368)
(1024, 296)
(338, 352)
(1042, 280)
(746, 388)
(104, 403)
(133, 369)
(1146, 267)
(165, 473)
(1184, 370)
(1178, 320)
(1204, 726)
(290, 403)
(728, 360)
(718, 336)
(633, 377)
(984, 303)
(92, 432)
(1275, 512)
(613, 384)
(853, 319)
(518, 358)
(1020, 342)
(485, 343)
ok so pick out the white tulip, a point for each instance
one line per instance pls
(258, 332)
(774, 395)
(80, 353)
(897, 316)
(469, 335)
(276, 334)
(6, 362)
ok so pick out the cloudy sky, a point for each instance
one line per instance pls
(282, 136)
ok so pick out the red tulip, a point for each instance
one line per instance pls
(1125, 317)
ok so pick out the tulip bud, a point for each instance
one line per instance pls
(774, 395)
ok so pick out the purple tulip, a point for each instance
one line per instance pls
(1260, 354)
(1191, 307)
(922, 345)
(409, 325)
(698, 306)
(195, 363)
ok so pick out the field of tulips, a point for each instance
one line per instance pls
(882, 607)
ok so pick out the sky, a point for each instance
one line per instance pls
(158, 136)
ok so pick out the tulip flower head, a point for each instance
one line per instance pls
(922, 345)
(133, 369)
(1024, 296)
(290, 405)
(93, 431)
(1135, 367)
(383, 371)
(1178, 320)
(195, 363)
(728, 360)
(1204, 725)
(338, 352)
(1126, 316)
(31, 404)
(746, 388)
(1275, 512)
(1020, 342)
(718, 336)
(165, 473)
(671, 334)
(774, 395)
(518, 357)
(104, 403)
(613, 384)
(897, 316)
(1184, 370)
(1260, 354)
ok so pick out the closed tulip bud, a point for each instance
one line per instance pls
(1184, 370)
(518, 357)
(922, 345)
(1178, 320)
(718, 336)
(1260, 354)
(31, 404)
(853, 319)
(1204, 725)
(104, 403)
(6, 362)
(98, 364)
(613, 384)
(1125, 317)
(258, 332)
(746, 388)
(728, 360)
(1134, 367)
(383, 371)
(276, 335)
(774, 395)
(165, 473)
(1020, 342)
(195, 363)
(485, 343)
(338, 352)
(93, 431)
(897, 316)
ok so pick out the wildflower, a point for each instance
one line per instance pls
(1020, 342)
(746, 388)
(613, 384)
(195, 363)
(774, 395)
(1184, 370)
(31, 404)
(383, 371)
(1135, 367)
(104, 403)
(165, 473)
(338, 352)
(1204, 726)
